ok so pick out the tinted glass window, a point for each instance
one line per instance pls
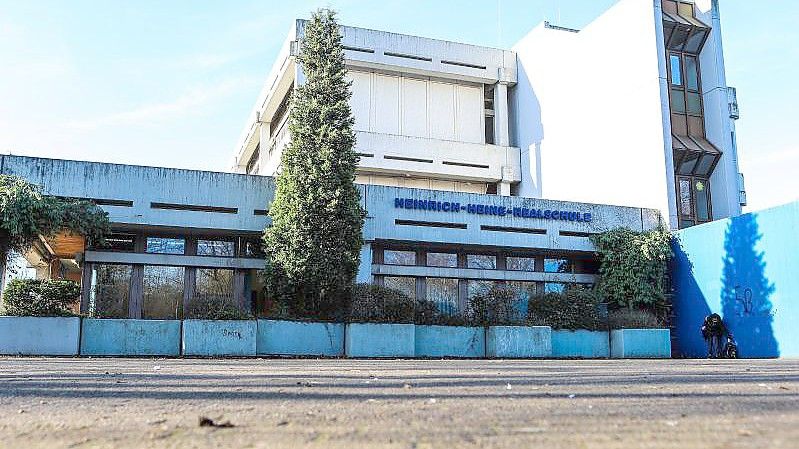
(677, 101)
(557, 266)
(554, 287)
(442, 260)
(393, 257)
(676, 70)
(164, 245)
(520, 263)
(163, 293)
(219, 248)
(702, 206)
(691, 73)
(444, 293)
(481, 261)
(694, 103)
(406, 285)
(110, 291)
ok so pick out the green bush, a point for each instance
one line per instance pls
(378, 304)
(215, 308)
(498, 306)
(634, 266)
(36, 297)
(576, 308)
(427, 313)
(634, 319)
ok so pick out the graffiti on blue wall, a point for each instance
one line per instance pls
(743, 268)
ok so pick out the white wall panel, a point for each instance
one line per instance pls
(361, 99)
(469, 117)
(386, 113)
(442, 111)
(414, 107)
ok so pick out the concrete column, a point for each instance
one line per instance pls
(136, 298)
(365, 268)
(85, 287)
(189, 285)
(242, 300)
(501, 120)
(504, 188)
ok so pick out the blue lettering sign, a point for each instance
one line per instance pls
(489, 209)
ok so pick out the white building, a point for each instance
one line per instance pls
(632, 110)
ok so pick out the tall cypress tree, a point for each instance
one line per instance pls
(315, 239)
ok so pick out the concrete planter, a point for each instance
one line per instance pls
(28, 335)
(379, 340)
(449, 341)
(126, 337)
(580, 344)
(519, 341)
(300, 338)
(212, 338)
(640, 343)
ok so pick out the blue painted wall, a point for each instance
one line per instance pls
(747, 270)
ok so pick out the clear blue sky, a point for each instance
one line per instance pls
(171, 82)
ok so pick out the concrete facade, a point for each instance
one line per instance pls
(189, 206)
(561, 105)
(420, 112)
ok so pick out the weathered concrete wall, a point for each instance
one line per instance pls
(39, 335)
(381, 223)
(580, 343)
(145, 185)
(379, 340)
(449, 341)
(744, 269)
(124, 337)
(300, 338)
(519, 341)
(640, 344)
(219, 337)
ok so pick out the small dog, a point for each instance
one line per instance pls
(713, 330)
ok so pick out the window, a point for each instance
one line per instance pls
(214, 283)
(251, 247)
(520, 263)
(481, 261)
(554, 287)
(219, 248)
(523, 291)
(444, 293)
(110, 291)
(488, 101)
(406, 285)
(120, 242)
(691, 74)
(164, 245)
(394, 257)
(693, 200)
(676, 70)
(213, 290)
(475, 288)
(446, 260)
(557, 266)
(163, 293)
(252, 163)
